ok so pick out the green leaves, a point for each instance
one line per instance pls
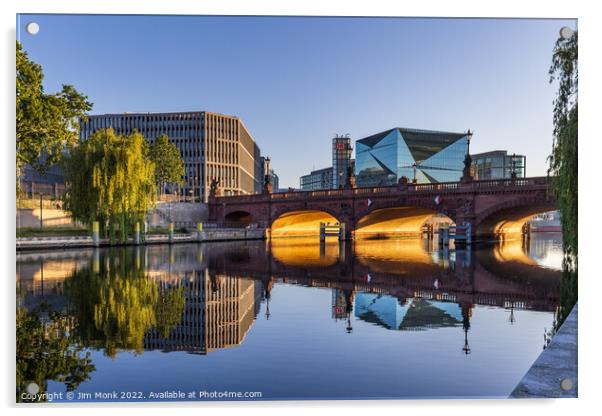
(47, 349)
(111, 179)
(563, 160)
(46, 123)
(169, 167)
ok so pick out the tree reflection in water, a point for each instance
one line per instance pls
(47, 349)
(115, 303)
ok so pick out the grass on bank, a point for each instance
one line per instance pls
(52, 232)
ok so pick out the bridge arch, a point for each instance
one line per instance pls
(510, 216)
(400, 217)
(238, 216)
(397, 221)
(300, 222)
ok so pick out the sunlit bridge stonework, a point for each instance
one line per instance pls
(493, 208)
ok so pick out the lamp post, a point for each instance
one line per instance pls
(466, 174)
(513, 173)
(41, 211)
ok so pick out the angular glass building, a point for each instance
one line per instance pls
(424, 155)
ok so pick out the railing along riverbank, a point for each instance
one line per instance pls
(207, 234)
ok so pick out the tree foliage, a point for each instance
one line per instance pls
(46, 123)
(563, 160)
(116, 304)
(113, 301)
(111, 179)
(169, 167)
(564, 164)
(48, 350)
(169, 310)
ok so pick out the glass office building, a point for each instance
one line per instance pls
(317, 179)
(341, 160)
(498, 164)
(421, 155)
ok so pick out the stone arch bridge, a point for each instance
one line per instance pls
(494, 208)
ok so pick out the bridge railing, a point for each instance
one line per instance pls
(230, 225)
(518, 182)
(444, 186)
(384, 190)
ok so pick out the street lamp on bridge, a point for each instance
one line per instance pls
(466, 174)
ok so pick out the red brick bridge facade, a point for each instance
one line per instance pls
(492, 207)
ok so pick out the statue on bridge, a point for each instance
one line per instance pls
(267, 184)
(214, 189)
(350, 180)
(467, 171)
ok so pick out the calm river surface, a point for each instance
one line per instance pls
(288, 319)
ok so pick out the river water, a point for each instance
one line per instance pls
(290, 319)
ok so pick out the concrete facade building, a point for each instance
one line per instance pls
(211, 145)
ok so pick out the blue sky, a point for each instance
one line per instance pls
(296, 82)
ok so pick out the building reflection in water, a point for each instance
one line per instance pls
(218, 313)
(403, 285)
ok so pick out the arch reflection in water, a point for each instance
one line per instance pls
(397, 222)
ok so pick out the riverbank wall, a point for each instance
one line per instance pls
(554, 373)
(42, 243)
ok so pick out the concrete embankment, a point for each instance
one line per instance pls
(554, 373)
(40, 243)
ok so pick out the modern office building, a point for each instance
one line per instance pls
(212, 146)
(422, 155)
(498, 164)
(317, 179)
(341, 160)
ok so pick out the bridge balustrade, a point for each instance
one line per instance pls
(498, 183)
(327, 192)
(489, 184)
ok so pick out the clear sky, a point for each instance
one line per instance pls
(297, 81)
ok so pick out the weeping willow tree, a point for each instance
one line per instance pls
(111, 180)
(563, 161)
